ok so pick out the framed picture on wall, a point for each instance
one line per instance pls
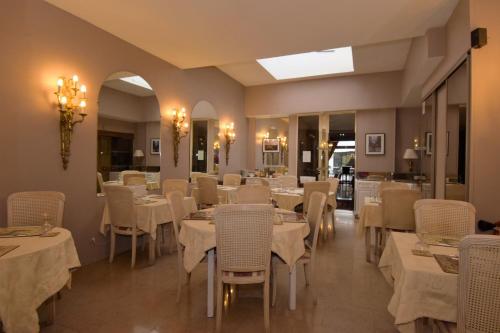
(270, 146)
(375, 144)
(155, 146)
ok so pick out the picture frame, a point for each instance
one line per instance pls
(155, 146)
(375, 144)
(270, 145)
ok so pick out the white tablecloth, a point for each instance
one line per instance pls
(150, 215)
(289, 198)
(32, 273)
(421, 288)
(199, 236)
(370, 215)
(150, 186)
(227, 194)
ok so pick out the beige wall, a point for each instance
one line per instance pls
(457, 44)
(485, 115)
(408, 127)
(35, 37)
(375, 121)
(370, 91)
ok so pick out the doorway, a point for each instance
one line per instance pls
(342, 153)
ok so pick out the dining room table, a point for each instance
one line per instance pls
(33, 267)
(289, 198)
(199, 240)
(226, 193)
(151, 211)
(370, 218)
(422, 288)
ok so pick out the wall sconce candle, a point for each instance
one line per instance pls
(180, 129)
(71, 97)
(230, 137)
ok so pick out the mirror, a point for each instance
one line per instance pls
(205, 146)
(456, 127)
(128, 128)
(271, 145)
(308, 137)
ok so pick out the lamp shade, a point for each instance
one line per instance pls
(138, 153)
(410, 154)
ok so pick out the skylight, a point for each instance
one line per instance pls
(137, 80)
(315, 63)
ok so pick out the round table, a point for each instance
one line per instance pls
(198, 238)
(30, 274)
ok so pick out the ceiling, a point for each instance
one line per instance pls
(232, 34)
(113, 81)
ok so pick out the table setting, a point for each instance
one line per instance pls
(197, 235)
(35, 263)
(423, 270)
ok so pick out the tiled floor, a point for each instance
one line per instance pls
(353, 296)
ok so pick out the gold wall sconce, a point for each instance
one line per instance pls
(71, 99)
(229, 137)
(180, 129)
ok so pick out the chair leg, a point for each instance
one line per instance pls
(368, 243)
(274, 278)
(219, 310)
(180, 273)
(266, 305)
(312, 284)
(306, 275)
(159, 240)
(51, 317)
(112, 246)
(134, 249)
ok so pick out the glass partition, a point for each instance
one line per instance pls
(307, 154)
(456, 127)
(204, 139)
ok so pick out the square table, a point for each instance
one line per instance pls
(421, 288)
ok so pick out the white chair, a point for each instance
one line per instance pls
(33, 208)
(323, 187)
(231, 179)
(331, 199)
(120, 201)
(287, 181)
(478, 286)
(175, 201)
(243, 237)
(445, 217)
(171, 185)
(100, 181)
(207, 191)
(314, 216)
(127, 172)
(386, 185)
(397, 212)
(195, 175)
(253, 194)
(134, 179)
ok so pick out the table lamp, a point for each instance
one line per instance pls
(410, 155)
(139, 155)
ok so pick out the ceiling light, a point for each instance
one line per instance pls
(137, 80)
(299, 65)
